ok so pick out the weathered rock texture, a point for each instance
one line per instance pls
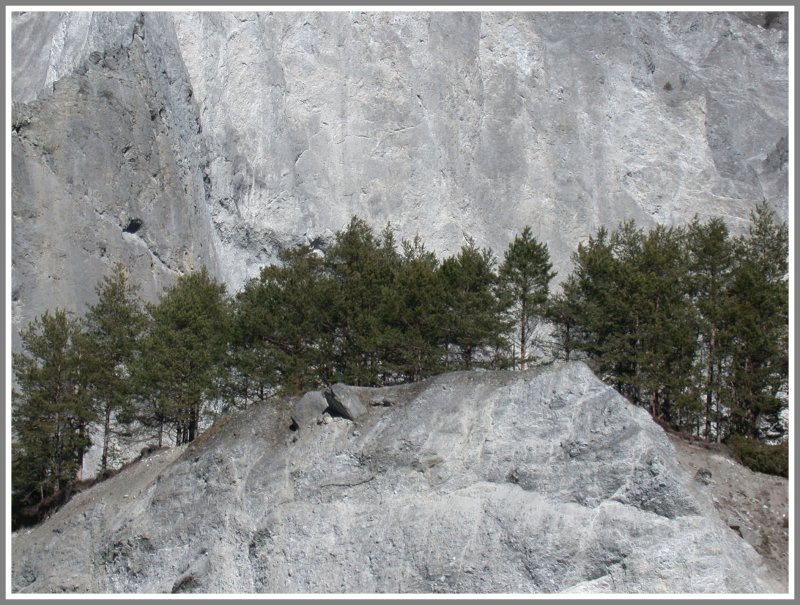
(226, 134)
(538, 481)
(107, 159)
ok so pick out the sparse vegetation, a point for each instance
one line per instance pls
(772, 459)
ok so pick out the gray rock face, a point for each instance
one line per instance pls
(308, 411)
(227, 134)
(348, 401)
(108, 160)
(539, 481)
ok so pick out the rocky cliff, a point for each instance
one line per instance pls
(168, 141)
(540, 481)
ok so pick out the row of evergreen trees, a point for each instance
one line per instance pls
(366, 311)
(691, 322)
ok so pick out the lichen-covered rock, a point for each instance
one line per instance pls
(470, 482)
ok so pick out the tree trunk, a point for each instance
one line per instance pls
(106, 438)
(193, 421)
(719, 404)
(710, 383)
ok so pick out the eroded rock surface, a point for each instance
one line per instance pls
(223, 135)
(531, 482)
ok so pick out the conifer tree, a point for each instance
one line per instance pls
(49, 414)
(110, 340)
(281, 320)
(710, 264)
(588, 296)
(474, 318)
(667, 327)
(565, 327)
(185, 349)
(361, 268)
(628, 312)
(525, 279)
(759, 316)
(416, 318)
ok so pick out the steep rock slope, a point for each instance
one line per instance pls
(108, 159)
(227, 134)
(538, 481)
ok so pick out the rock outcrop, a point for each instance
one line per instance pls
(540, 481)
(167, 141)
(108, 159)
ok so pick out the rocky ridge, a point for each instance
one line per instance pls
(540, 481)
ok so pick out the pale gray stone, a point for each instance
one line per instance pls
(348, 400)
(465, 485)
(228, 134)
(308, 410)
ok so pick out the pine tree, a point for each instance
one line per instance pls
(474, 319)
(627, 310)
(710, 264)
(361, 268)
(281, 320)
(112, 329)
(525, 278)
(50, 414)
(184, 351)
(759, 316)
(415, 318)
(588, 296)
(667, 327)
(565, 326)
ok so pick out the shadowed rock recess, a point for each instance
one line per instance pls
(540, 481)
(172, 140)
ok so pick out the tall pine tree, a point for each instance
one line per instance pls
(49, 415)
(710, 264)
(474, 320)
(112, 329)
(525, 279)
(759, 316)
(179, 370)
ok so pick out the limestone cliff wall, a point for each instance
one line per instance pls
(227, 134)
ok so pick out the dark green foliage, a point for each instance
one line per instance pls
(366, 313)
(50, 415)
(415, 312)
(112, 329)
(772, 459)
(473, 323)
(710, 265)
(759, 320)
(566, 325)
(361, 271)
(183, 354)
(525, 280)
(687, 322)
(691, 324)
(278, 323)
